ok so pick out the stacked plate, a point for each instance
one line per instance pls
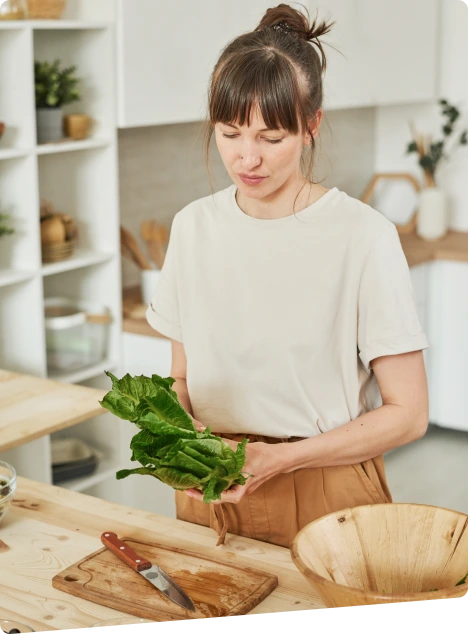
(72, 458)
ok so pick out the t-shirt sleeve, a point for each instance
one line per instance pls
(388, 322)
(163, 311)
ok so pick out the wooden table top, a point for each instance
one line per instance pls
(47, 528)
(31, 407)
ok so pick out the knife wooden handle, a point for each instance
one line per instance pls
(123, 550)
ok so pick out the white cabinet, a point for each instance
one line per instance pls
(166, 52)
(448, 325)
(386, 51)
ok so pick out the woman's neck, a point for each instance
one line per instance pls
(280, 203)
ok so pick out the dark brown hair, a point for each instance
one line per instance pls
(275, 66)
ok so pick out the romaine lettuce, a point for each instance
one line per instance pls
(168, 446)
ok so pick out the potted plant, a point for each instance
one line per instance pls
(5, 228)
(55, 87)
(432, 218)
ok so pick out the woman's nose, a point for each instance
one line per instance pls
(250, 159)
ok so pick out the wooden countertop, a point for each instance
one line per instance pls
(453, 246)
(48, 528)
(31, 407)
(134, 311)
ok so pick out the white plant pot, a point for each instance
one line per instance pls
(432, 222)
(149, 282)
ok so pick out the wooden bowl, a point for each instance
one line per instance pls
(384, 553)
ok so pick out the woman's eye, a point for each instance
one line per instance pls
(234, 136)
(274, 140)
(229, 136)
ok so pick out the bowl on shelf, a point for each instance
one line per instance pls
(384, 553)
(72, 458)
(77, 334)
(58, 251)
(7, 487)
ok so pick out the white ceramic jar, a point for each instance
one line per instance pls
(432, 222)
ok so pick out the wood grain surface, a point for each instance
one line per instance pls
(31, 407)
(48, 528)
(216, 588)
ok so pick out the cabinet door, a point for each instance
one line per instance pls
(166, 53)
(386, 51)
(448, 324)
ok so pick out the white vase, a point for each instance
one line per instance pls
(432, 222)
(149, 282)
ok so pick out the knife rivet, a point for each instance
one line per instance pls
(122, 547)
(138, 560)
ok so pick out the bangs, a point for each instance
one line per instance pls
(258, 79)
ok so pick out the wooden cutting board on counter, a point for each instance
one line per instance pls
(215, 587)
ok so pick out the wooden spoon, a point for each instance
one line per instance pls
(154, 248)
(131, 244)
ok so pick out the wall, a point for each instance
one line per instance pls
(162, 168)
(392, 130)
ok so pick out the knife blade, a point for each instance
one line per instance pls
(151, 572)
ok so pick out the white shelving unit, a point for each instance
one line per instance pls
(80, 178)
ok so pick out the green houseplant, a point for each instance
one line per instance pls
(432, 218)
(55, 86)
(5, 228)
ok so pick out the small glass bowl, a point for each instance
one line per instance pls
(13, 626)
(7, 487)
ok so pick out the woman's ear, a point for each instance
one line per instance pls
(314, 125)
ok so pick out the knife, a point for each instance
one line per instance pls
(152, 573)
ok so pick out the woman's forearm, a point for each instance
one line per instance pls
(368, 436)
(180, 388)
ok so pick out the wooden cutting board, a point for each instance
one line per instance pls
(215, 587)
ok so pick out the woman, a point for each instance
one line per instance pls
(289, 305)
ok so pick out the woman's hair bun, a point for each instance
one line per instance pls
(289, 20)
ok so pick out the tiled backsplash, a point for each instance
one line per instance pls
(162, 168)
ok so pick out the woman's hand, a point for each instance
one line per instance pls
(262, 460)
(198, 426)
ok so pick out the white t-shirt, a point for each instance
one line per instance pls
(280, 318)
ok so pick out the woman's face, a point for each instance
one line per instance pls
(273, 156)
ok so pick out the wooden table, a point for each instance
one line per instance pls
(48, 528)
(31, 407)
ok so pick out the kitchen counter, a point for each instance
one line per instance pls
(48, 528)
(454, 247)
(31, 407)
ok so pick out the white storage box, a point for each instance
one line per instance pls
(77, 333)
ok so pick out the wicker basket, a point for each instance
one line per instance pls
(58, 251)
(46, 9)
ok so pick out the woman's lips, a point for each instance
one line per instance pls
(252, 180)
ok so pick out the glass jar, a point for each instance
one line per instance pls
(13, 9)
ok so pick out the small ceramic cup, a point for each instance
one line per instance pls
(77, 126)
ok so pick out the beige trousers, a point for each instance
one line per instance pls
(279, 508)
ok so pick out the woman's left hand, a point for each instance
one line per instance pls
(261, 459)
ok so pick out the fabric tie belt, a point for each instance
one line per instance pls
(220, 514)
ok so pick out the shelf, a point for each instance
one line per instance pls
(12, 276)
(44, 25)
(71, 146)
(11, 153)
(80, 259)
(84, 374)
(106, 469)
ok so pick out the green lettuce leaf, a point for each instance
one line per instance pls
(167, 444)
